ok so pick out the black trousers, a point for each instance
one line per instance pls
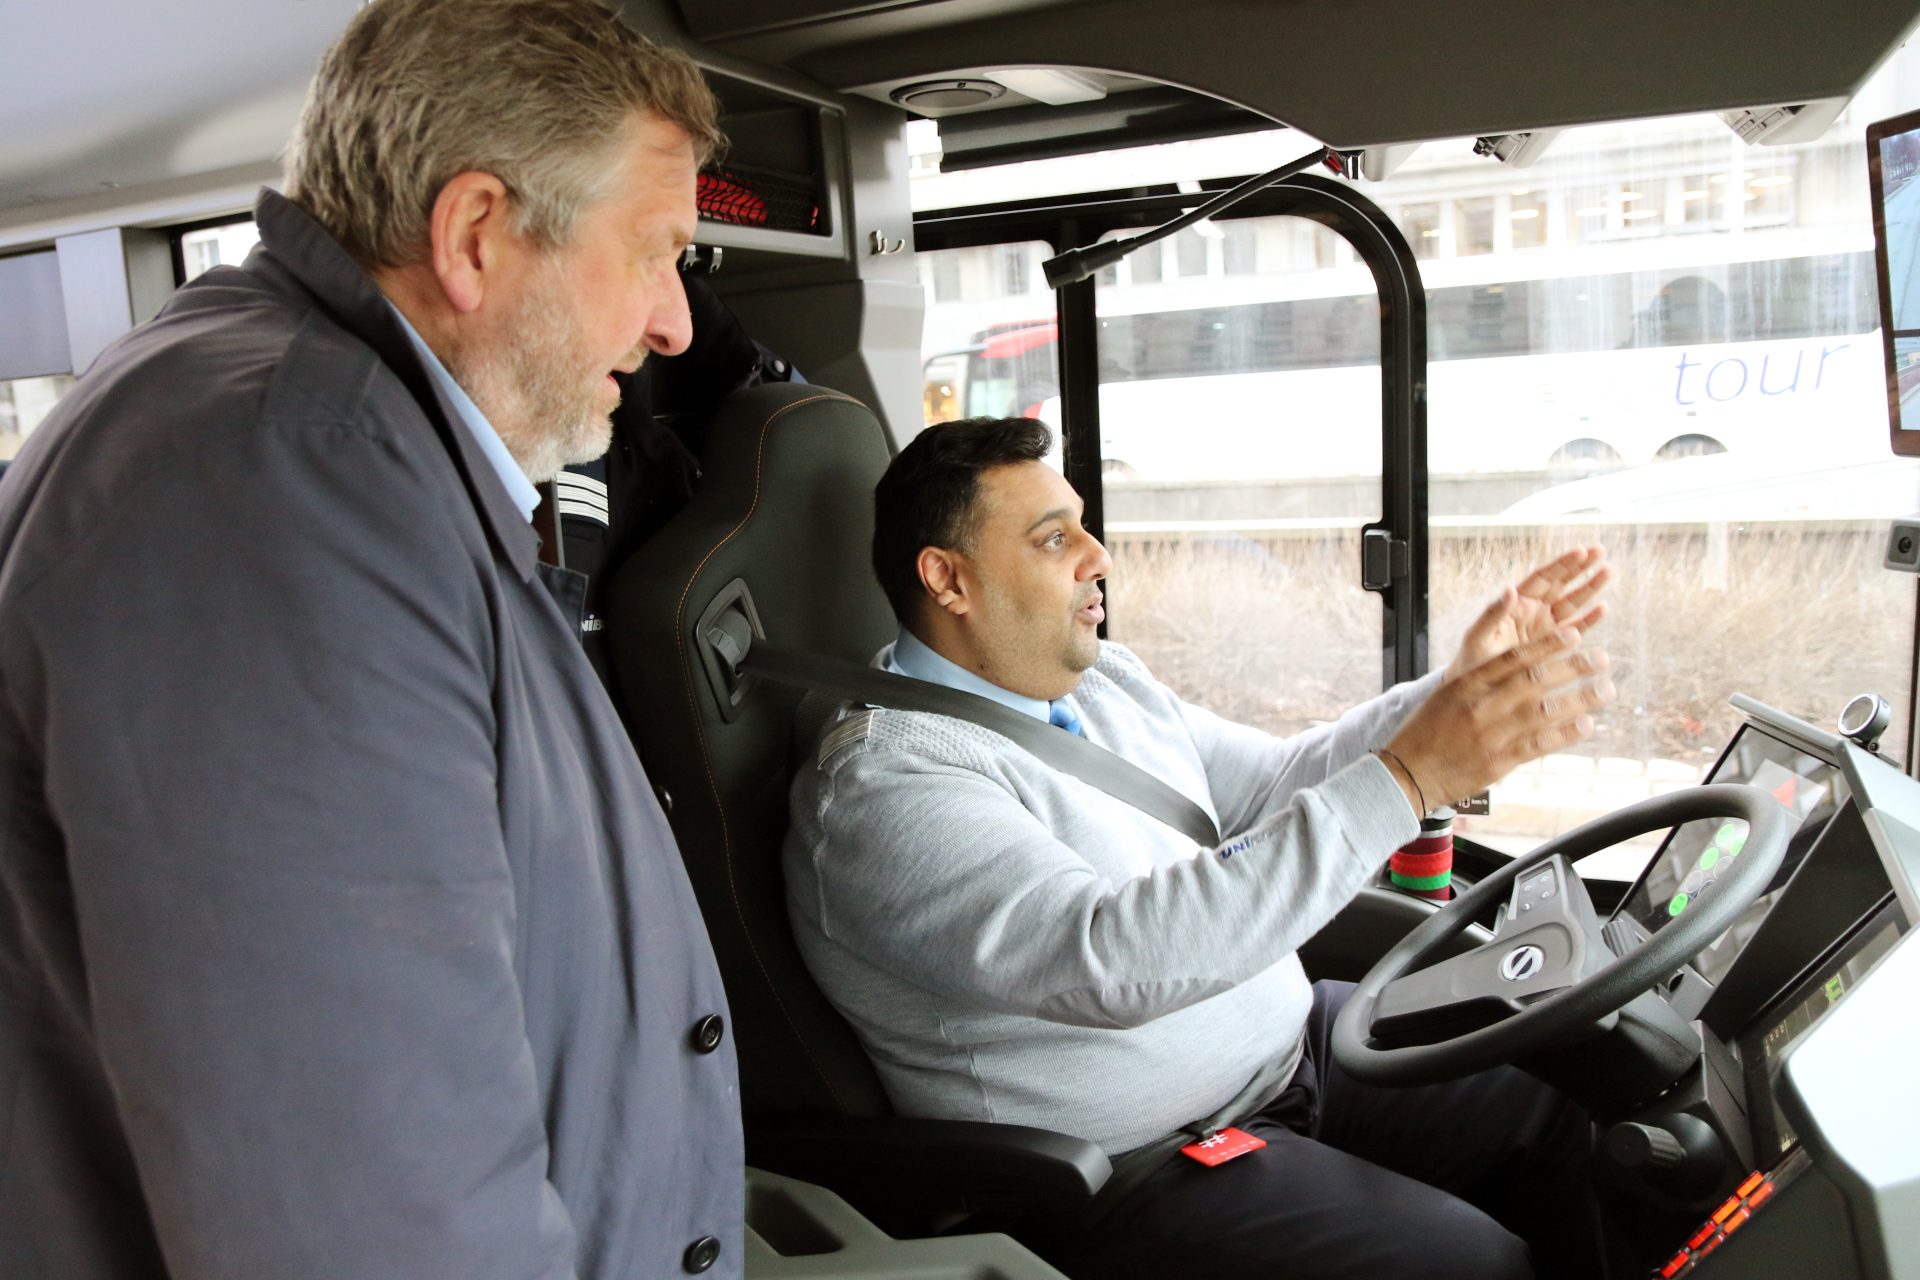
(1485, 1178)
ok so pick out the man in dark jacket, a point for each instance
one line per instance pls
(340, 933)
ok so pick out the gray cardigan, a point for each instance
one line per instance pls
(340, 933)
(1013, 945)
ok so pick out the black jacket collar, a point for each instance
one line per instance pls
(316, 261)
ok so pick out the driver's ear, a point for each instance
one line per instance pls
(940, 573)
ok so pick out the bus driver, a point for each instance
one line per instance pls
(1012, 945)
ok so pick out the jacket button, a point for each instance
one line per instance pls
(700, 1255)
(666, 799)
(708, 1033)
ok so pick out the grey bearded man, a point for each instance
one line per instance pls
(340, 933)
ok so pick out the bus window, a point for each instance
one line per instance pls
(24, 403)
(987, 348)
(207, 247)
(1670, 349)
(1240, 446)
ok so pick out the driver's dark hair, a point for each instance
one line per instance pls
(929, 494)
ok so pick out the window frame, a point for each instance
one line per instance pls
(1394, 549)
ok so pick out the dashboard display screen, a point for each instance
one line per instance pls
(1782, 1028)
(1698, 854)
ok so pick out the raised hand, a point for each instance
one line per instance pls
(1564, 592)
(1529, 701)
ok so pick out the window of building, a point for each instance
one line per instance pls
(946, 275)
(1527, 218)
(1420, 223)
(1767, 200)
(1473, 226)
(1014, 273)
(1190, 251)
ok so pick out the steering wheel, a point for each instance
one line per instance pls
(1549, 975)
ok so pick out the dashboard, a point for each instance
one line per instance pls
(1829, 926)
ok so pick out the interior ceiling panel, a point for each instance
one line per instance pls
(1357, 72)
(721, 20)
(103, 94)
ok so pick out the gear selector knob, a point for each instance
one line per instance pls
(1633, 1145)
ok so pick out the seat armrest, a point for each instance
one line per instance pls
(931, 1165)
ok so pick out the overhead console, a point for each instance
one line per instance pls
(778, 189)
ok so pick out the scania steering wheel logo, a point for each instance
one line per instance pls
(1522, 963)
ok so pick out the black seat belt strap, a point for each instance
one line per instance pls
(1094, 765)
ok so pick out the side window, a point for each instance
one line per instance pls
(210, 247)
(24, 403)
(988, 347)
(1241, 445)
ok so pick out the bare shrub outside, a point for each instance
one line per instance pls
(1269, 626)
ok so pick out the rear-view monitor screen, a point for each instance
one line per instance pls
(1893, 165)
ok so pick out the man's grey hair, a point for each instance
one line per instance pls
(538, 93)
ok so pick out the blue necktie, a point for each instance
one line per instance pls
(1059, 713)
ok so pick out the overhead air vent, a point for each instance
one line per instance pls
(929, 97)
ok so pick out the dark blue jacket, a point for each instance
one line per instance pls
(341, 934)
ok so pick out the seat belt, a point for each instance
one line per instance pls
(1069, 753)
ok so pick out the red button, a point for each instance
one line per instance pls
(1725, 1211)
(1761, 1195)
(1753, 1180)
(1700, 1236)
(1680, 1262)
(1711, 1245)
(1733, 1223)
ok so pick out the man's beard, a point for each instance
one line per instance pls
(549, 411)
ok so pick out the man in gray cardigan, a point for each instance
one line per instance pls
(340, 932)
(1014, 945)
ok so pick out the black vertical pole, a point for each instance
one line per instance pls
(1080, 404)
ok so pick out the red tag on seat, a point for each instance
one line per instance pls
(1222, 1147)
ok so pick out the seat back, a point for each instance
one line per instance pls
(785, 505)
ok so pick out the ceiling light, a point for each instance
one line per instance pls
(1638, 214)
(950, 94)
(1520, 215)
(1054, 87)
(1691, 196)
(1772, 180)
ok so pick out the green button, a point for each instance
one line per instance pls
(1835, 986)
(1678, 904)
(1711, 856)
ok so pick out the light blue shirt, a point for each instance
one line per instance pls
(519, 488)
(911, 657)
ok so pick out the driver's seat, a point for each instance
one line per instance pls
(783, 514)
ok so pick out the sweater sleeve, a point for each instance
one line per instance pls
(938, 874)
(1253, 775)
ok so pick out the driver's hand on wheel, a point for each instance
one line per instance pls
(1532, 700)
